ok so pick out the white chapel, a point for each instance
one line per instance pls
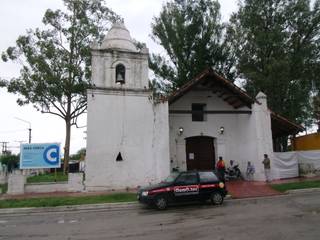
(134, 139)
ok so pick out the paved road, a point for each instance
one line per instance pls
(289, 217)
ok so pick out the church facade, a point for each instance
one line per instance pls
(134, 139)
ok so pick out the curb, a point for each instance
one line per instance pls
(101, 206)
(305, 190)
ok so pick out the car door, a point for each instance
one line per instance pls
(208, 183)
(186, 187)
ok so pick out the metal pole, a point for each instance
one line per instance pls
(30, 134)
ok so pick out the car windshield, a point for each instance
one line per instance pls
(171, 177)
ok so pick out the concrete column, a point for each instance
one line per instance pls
(3, 178)
(75, 182)
(264, 145)
(16, 183)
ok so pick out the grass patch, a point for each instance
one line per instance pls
(48, 177)
(4, 188)
(296, 185)
(65, 201)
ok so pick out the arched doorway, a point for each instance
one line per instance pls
(200, 153)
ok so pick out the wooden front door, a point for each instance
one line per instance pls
(200, 153)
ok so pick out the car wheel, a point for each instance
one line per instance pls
(216, 198)
(161, 202)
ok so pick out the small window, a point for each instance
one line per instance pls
(187, 179)
(120, 74)
(206, 177)
(198, 112)
(119, 157)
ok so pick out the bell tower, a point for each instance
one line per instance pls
(127, 131)
(118, 63)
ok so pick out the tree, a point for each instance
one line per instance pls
(278, 52)
(191, 33)
(10, 160)
(316, 109)
(80, 155)
(56, 64)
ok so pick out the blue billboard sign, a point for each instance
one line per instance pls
(40, 155)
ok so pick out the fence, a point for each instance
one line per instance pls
(294, 164)
(17, 185)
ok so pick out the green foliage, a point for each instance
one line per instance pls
(56, 62)
(296, 185)
(80, 155)
(191, 33)
(277, 46)
(3, 188)
(48, 177)
(10, 160)
(64, 201)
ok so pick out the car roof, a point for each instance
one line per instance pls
(197, 171)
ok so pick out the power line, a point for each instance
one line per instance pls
(13, 131)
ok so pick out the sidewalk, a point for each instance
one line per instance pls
(246, 189)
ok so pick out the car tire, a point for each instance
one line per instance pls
(216, 198)
(161, 202)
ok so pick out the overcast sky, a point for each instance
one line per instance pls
(18, 15)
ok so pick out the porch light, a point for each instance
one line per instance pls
(221, 130)
(180, 131)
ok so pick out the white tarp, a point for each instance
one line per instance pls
(285, 165)
(290, 164)
(310, 157)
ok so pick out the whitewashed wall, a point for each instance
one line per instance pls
(246, 138)
(126, 122)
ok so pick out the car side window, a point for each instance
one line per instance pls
(206, 177)
(187, 179)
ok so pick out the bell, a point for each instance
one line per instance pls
(119, 78)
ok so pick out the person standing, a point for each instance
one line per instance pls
(221, 168)
(250, 171)
(267, 168)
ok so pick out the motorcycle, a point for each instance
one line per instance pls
(233, 172)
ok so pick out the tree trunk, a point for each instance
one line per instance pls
(67, 147)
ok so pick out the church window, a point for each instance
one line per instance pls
(198, 112)
(120, 74)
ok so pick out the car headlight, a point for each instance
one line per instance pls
(144, 193)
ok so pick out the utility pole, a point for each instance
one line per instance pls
(4, 147)
(29, 129)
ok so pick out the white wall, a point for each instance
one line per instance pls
(46, 187)
(126, 122)
(246, 137)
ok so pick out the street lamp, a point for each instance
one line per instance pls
(29, 129)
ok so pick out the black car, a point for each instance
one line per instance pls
(184, 187)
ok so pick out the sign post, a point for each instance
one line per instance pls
(40, 155)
